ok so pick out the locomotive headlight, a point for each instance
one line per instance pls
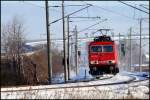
(94, 62)
(111, 61)
(97, 62)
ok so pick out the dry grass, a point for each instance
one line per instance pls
(32, 75)
(40, 59)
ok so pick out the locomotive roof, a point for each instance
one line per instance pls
(102, 42)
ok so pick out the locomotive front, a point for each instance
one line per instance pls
(103, 56)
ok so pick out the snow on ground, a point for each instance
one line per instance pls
(83, 74)
(137, 75)
(139, 90)
(120, 91)
(96, 82)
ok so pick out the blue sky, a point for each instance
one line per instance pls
(32, 13)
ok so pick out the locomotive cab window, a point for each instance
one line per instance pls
(107, 48)
(96, 48)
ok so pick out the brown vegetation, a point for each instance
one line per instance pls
(39, 58)
(12, 44)
(19, 68)
(34, 69)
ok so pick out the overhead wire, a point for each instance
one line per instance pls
(92, 25)
(144, 7)
(69, 14)
(81, 38)
(111, 11)
(66, 5)
(74, 5)
(89, 18)
(83, 20)
(133, 7)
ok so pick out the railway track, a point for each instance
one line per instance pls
(68, 82)
(87, 83)
(114, 83)
(100, 77)
(71, 81)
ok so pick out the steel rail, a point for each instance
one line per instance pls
(93, 85)
(132, 80)
(126, 82)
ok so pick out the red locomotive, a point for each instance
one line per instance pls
(103, 56)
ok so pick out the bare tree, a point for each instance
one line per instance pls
(12, 41)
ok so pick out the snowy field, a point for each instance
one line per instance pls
(85, 90)
(139, 90)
